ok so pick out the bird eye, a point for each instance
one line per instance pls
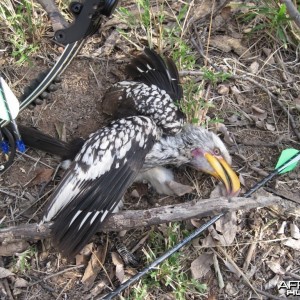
(217, 151)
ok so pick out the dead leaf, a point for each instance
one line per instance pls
(297, 103)
(97, 289)
(292, 243)
(230, 290)
(10, 249)
(20, 283)
(241, 179)
(272, 283)
(118, 262)
(270, 127)
(269, 53)
(223, 129)
(201, 265)
(234, 90)
(178, 188)
(260, 124)
(116, 259)
(42, 176)
(282, 227)
(258, 110)
(238, 120)
(164, 229)
(87, 249)
(141, 189)
(240, 99)
(120, 273)
(81, 260)
(223, 233)
(226, 43)
(218, 191)
(275, 267)
(5, 273)
(94, 266)
(135, 194)
(232, 268)
(61, 131)
(201, 10)
(258, 114)
(223, 89)
(226, 12)
(250, 273)
(295, 231)
(253, 69)
(17, 291)
(122, 233)
(196, 223)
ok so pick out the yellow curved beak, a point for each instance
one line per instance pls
(224, 172)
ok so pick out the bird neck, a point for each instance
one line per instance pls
(169, 150)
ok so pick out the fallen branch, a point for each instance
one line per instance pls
(139, 218)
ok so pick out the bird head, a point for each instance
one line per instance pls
(208, 154)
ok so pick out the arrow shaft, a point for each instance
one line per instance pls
(5, 102)
(15, 129)
(261, 183)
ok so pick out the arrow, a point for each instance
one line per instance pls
(9, 109)
(288, 160)
(9, 104)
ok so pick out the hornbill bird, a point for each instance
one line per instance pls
(149, 134)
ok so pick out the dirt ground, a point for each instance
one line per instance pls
(265, 241)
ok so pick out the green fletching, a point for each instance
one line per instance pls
(284, 157)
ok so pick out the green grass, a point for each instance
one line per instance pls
(171, 276)
(271, 18)
(22, 28)
(194, 106)
(22, 261)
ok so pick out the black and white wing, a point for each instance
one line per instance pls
(97, 180)
(155, 92)
(150, 69)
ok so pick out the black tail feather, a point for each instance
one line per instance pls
(150, 68)
(36, 139)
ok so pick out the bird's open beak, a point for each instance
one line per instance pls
(224, 172)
